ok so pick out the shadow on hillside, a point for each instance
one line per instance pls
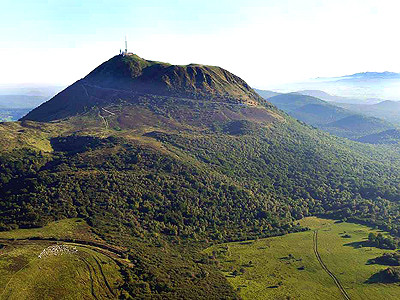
(381, 277)
(357, 245)
(76, 144)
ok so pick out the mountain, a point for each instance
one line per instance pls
(371, 76)
(391, 136)
(358, 88)
(162, 161)
(266, 94)
(130, 76)
(328, 117)
(386, 110)
(336, 99)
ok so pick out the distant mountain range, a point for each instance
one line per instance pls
(327, 116)
(386, 110)
(17, 100)
(14, 107)
(46, 91)
(372, 75)
(364, 86)
(338, 99)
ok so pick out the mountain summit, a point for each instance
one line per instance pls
(130, 76)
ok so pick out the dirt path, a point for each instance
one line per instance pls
(104, 277)
(88, 265)
(337, 282)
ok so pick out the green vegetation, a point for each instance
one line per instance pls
(12, 114)
(74, 228)
(389, 259)
(146, 270)
(389, 275)
(161, 161)
(286, 267)
(380, 241)
(391, 136)
(86, 274)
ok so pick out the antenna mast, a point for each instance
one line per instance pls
(126, 46)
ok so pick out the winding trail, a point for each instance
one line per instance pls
(104, 277)
(337, 282)
(88, 265)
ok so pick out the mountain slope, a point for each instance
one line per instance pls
(386, 110)
(391, 136)
(129, 77)
(167, 169)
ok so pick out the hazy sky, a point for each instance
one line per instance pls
(264, 42)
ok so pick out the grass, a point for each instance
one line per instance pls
(30, 134)
(285, 267)
(87, 274)
(65, 228)
(84, 275)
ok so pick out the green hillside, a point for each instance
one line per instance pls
(386, 110)
(385, 137)
(356, 126)
(165, 168)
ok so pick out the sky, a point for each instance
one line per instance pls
(266, 42)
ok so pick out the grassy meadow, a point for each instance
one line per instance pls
(82, 275)
(86, 274)
(285, 267)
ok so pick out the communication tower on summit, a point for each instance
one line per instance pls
(126, 46)
(124, 53)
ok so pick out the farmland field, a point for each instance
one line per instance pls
(286, 267)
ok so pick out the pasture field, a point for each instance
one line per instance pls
(86, 274)
(286, 267)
